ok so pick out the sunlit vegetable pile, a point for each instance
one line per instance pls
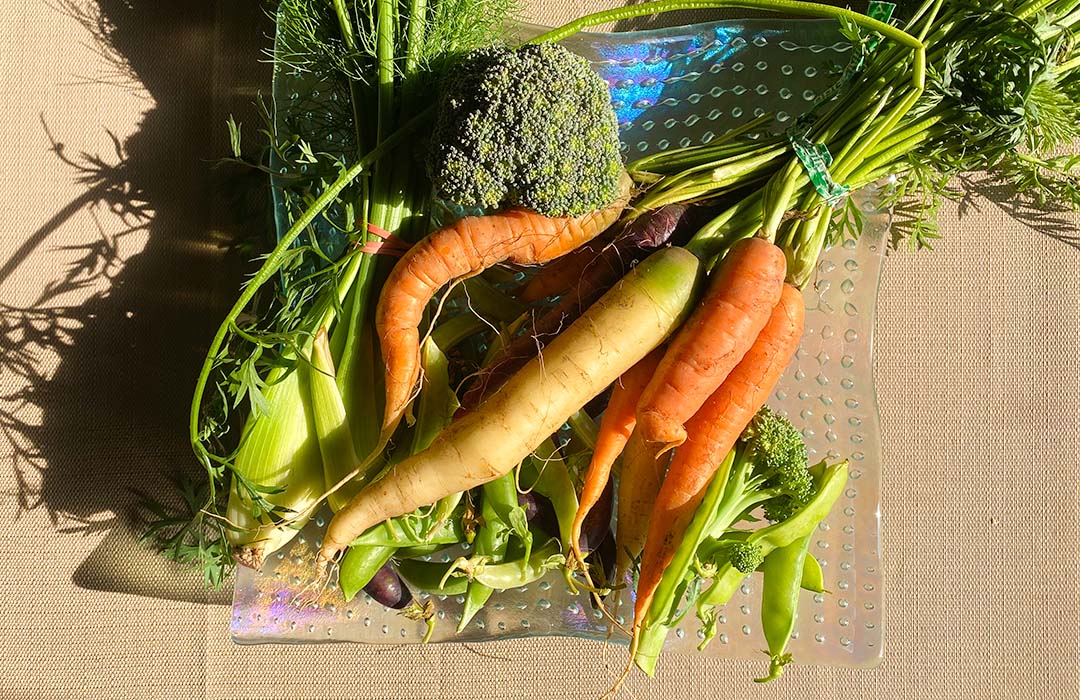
(471, 382)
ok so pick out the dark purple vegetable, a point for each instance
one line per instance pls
(598, 521)
(539, 512)
(602, 563)
(653, 229)
(387, 588)
(531, 503)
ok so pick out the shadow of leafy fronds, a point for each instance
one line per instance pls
(116, 70)
(1050, 218)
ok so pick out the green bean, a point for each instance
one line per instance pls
(359, 565)
(499, 497)
(782, 578)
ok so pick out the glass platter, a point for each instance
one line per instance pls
(671, 88)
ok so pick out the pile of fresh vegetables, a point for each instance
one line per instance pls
(437, 380)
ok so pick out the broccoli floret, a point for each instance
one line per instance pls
(779, 456)
(746, 556)
(530, 127)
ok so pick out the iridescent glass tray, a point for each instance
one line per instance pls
(672, 88)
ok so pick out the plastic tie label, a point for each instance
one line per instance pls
(816, 159)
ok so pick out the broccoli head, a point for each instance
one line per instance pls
(746, 556)
(530, 127)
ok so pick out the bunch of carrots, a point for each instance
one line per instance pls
(679, 300)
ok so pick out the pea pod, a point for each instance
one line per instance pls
(514, 574)
(782, 573)
(412, 530)
(359, 565)
(813, 579)
(499, 498)
(546, 472)
(420, 550)
(428, 576)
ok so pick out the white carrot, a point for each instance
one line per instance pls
(612, 336)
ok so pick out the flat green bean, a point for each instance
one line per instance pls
(359, 565)
(492, 537)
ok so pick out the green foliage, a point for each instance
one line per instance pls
(532, 127)
(185, 533)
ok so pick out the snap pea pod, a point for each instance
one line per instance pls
(782, 573)
(428, 576)
(679, 575)
(546, 472)
(420, 550)
(412, 531)
(359, 565)
(492, 537)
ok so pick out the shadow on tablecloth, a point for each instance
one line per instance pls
(109, 420)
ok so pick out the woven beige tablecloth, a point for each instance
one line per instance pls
(112, 277)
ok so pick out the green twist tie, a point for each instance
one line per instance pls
(816, 159)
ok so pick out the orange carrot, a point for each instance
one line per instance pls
(564, 273)
(456, 252)
(615, 429)
(721, 330)
(712, 433)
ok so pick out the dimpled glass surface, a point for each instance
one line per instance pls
(671, 88)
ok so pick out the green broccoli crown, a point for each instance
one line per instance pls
(746, 556)
(530, 127)
(780, 463)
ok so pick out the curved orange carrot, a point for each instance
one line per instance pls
(615, 429)
(712, 433)
(462, 250)
(721, 330)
